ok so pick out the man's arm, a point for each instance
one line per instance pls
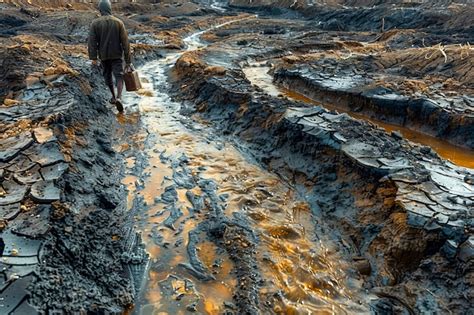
(125, 44)
(93, 44)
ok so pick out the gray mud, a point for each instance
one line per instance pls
(211, 195)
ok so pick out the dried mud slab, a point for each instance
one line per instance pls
(389, 97)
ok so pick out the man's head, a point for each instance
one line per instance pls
(105, 7)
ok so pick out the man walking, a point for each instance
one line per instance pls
(108, 42)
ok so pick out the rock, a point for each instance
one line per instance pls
(192, 307)
(466, 250)
(10, 102)
(395, 164)
(184, 179)
(43, 135)
(425, 150)
(230, 305)
(60, 69)
(9, 212)
(363, 266)
(25, 308)
(30, 176)
(24, 247)
(170, 195)
(359, 150)
(32, 80)
(15, 295)
(11, 147)
(196, 200)
(106, 145)
(418, 213)
(291, 59)
(417, 196)
(32, 226)
(14, 193)
(441, 218)
(397, 135)
(242, 42)
(469, 179)
(46, 154)
(20, 164)
(339, 137)
(452, 185)
(45, 192)
(3, 225)
(450, 248)
(175, 214)
(54, 171)
(382, 306)
(215, 70)
(292, 231)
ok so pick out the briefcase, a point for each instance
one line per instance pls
(132, 80)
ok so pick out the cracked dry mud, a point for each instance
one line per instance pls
(288, 157)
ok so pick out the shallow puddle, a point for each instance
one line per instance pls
(259, 76)
(183, 153)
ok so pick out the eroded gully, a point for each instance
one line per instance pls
(258, 74)
(222, 233)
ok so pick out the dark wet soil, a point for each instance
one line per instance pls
(235, 182)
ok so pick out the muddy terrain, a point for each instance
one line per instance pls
(283, 157)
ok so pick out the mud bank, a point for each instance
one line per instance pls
(68, 241)
(380, 192)
(401, 77)
(353, 93)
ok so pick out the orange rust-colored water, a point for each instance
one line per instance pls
(457, 155)
(310, 276)
(461, 156)
(165, 261)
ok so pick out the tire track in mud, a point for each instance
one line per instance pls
(223, 234)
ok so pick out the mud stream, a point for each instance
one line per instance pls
(258, 75)
(192, 177)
